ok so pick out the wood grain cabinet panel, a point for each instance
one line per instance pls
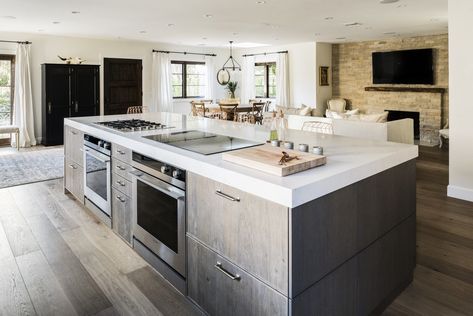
(74, 179)
(74, 143)
(122, 215)
(122, 169)
(122, 153)
(249, 231)
(121, 184)
(212, 285)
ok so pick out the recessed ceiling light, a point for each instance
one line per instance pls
(201, 44)
(317, 34)
(260, 2)
(208, 16)
(40, 30)
(389, 33)
(171, 24)
(341, 38)
(56, 22)
(142, 32)
(9, 17)
(434, 19)
(328, 18)
(204, 38)
(353, 24)
(75, 12)
(276, 39)
(401, 6)
(387, 1)
(234, 33)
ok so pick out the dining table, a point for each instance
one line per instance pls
(241, 108)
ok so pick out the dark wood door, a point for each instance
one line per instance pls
(122, 84)
(58, 101)
(85, 91)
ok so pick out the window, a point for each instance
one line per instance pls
(188, 79)
(265, 80)
(7, 69)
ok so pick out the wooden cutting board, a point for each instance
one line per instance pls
(266, 158)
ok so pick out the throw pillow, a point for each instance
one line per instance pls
(352, 112)
(377, 117)
(334, 115)
(305, 110)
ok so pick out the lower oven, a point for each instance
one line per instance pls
(159, 210)
(97, 176)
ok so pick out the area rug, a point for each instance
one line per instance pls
(32, 166)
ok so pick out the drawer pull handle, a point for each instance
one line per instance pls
(121, 152)
(74, 132)
(121, 168)
(121, 183)
(226, 196)
(219, 267)
(120, 199)
(72, 167)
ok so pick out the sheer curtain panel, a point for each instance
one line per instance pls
(23, 115)
(161, 83)
(210, 76)
(282, 80)
(248, 79)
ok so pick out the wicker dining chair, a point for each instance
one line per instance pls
(255, 115)
(198, 109)
(318, 127)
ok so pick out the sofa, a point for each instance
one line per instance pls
(399, 131)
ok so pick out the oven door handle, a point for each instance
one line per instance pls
(97, 155)
(162, 186)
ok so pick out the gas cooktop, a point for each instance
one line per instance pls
(204, 143)
(133, 125)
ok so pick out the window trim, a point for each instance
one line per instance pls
(184, 78)
(266, 78)
(12, 59)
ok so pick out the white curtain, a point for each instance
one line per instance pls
(23, 97)
(161, 83)
(248, 79)
(210, 77)
(282, 81)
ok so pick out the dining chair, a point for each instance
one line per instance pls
(228, 111)
(134, 110)
(254, 115)
(198, 109)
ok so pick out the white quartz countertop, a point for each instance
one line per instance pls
(349, 160)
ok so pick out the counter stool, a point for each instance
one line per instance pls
(10, 129)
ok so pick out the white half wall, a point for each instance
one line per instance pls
(460, 25)
(45, 49)
(302, 69)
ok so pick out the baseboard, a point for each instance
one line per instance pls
(460, 193)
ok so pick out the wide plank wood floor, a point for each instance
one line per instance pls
(443, 279)
(57, 259)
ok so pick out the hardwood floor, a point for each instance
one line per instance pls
(56, 259)
(443, 280)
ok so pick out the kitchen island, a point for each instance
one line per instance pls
(335, 240)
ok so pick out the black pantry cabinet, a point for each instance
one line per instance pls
(67, 91)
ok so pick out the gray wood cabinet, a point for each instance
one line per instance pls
(74, 179)
(250, 231)
(121, 168)
(74, 162)
(222, 288)
(121, 153)
(122, 219)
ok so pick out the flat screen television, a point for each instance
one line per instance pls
(403, 67)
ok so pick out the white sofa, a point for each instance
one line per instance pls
(399, 131)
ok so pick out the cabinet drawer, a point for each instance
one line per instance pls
(122, 169)
(74, 179)
(74, 144)
(122, 215)
(221, 288)
(122, 153)
(121, 184)
(250, 231)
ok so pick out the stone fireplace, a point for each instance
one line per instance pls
(399, 115)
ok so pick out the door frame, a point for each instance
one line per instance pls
(12, 58)
(104, 85)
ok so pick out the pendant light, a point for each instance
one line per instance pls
(233, 63)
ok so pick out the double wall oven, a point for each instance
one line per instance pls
(159, 209)
(97, 175)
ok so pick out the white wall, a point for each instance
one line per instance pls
(45, 49)
(323, 57)
(302, 69)
(460, 25)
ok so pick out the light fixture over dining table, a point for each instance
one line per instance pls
(223, 75)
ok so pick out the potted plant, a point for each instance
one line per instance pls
(231, 87)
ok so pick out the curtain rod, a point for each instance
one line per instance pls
(17, 42)
(281, 52)
(185, 53)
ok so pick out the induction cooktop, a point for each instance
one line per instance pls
(204, 143)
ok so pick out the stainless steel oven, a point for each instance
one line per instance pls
(159, 208)
(97, 174)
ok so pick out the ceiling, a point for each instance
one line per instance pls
(214, 22)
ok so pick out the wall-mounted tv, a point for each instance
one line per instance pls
(403, 67)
